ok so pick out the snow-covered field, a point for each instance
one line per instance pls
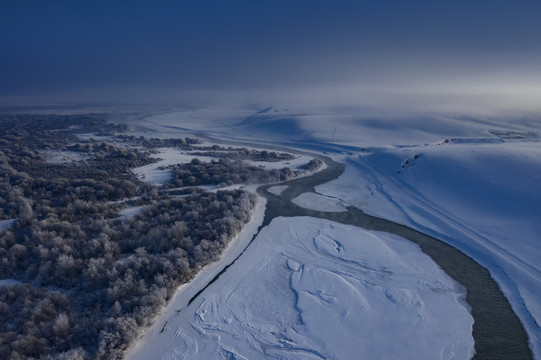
(471, 181)
(293, 164)
(313, 289)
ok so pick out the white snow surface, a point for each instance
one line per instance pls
(130, 212)
(4, 224)
(319, 202)
(475, 183)
(482, 198)
(190, 122)
(277, 190)
(312, 289)
(293, 164)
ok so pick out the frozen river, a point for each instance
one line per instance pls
(497, 332)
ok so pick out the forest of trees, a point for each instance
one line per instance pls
(89, 279)
(225, 172)
(93, 283)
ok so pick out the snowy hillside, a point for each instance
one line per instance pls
(482, 198)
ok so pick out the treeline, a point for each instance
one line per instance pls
(244, 154)
(197, 149)
(224, 172)
(154, 143)
(44, 131)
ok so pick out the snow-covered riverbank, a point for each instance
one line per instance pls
(314, 289)
(155, 337)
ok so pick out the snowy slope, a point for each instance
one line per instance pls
(483, 198)
(313, 289)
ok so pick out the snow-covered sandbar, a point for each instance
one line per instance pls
(313, 289)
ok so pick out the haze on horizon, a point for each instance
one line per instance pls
(408, 55)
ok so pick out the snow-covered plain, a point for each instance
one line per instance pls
(313, 289)
(471, 181)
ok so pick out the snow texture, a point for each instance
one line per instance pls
(319, 202)
(313, 289)
(473, 182)
(277, 190)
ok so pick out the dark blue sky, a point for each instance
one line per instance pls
(124, 48)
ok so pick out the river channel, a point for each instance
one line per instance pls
(497, 331)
